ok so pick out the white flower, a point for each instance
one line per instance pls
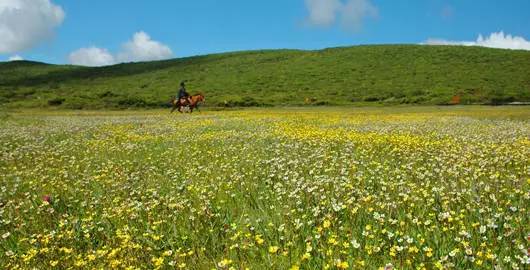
(355, 244)
(6, 235)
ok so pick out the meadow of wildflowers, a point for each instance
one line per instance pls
(402, 188)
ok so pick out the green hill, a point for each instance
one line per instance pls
(386, 74)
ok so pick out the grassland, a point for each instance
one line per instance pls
(363, 75)
(328, 188)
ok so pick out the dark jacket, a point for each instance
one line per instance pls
(183, 93)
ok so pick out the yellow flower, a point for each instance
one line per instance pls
(80, 263)
(327, 223)
(54, 263)
(295, 267)
(224, 263)
(259, 240)
(115, 263)
(273, 249)
(332, 241)
(66, 250)
(306, 256)
(157, 261)
(342, 265)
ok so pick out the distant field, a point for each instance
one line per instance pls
(296, 188)
(361, 75)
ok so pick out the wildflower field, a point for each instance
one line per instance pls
(328, 188)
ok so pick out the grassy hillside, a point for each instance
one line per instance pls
(390, 74)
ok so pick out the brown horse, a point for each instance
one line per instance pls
(192, 102)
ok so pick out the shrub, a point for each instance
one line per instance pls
(56, 101)
(131, 102)
(321, 103)
(309, 100)
(372, 98)
(245, 102)
(500, 100)
(107, 94)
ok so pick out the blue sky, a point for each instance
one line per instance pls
(210, 26)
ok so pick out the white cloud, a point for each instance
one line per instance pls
(92, 56)
(15, 58)
(323, 12)
(355, 11)
(438, 41)
(351, 12)
(140, 48)
(143, 48)
(25, 23)
(495, 40)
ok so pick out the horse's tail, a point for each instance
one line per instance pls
(173, 101)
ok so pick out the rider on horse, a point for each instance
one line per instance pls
(183, 94)
(183, 99)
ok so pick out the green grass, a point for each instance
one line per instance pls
(362, 75)
(314, 188)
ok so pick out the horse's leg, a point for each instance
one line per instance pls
(180, 109)
(173, 109)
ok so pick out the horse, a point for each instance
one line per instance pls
(194, 104)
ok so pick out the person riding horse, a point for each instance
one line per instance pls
(184, 97)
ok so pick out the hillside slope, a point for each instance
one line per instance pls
(385, 74)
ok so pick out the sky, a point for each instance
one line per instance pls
(98, 32)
